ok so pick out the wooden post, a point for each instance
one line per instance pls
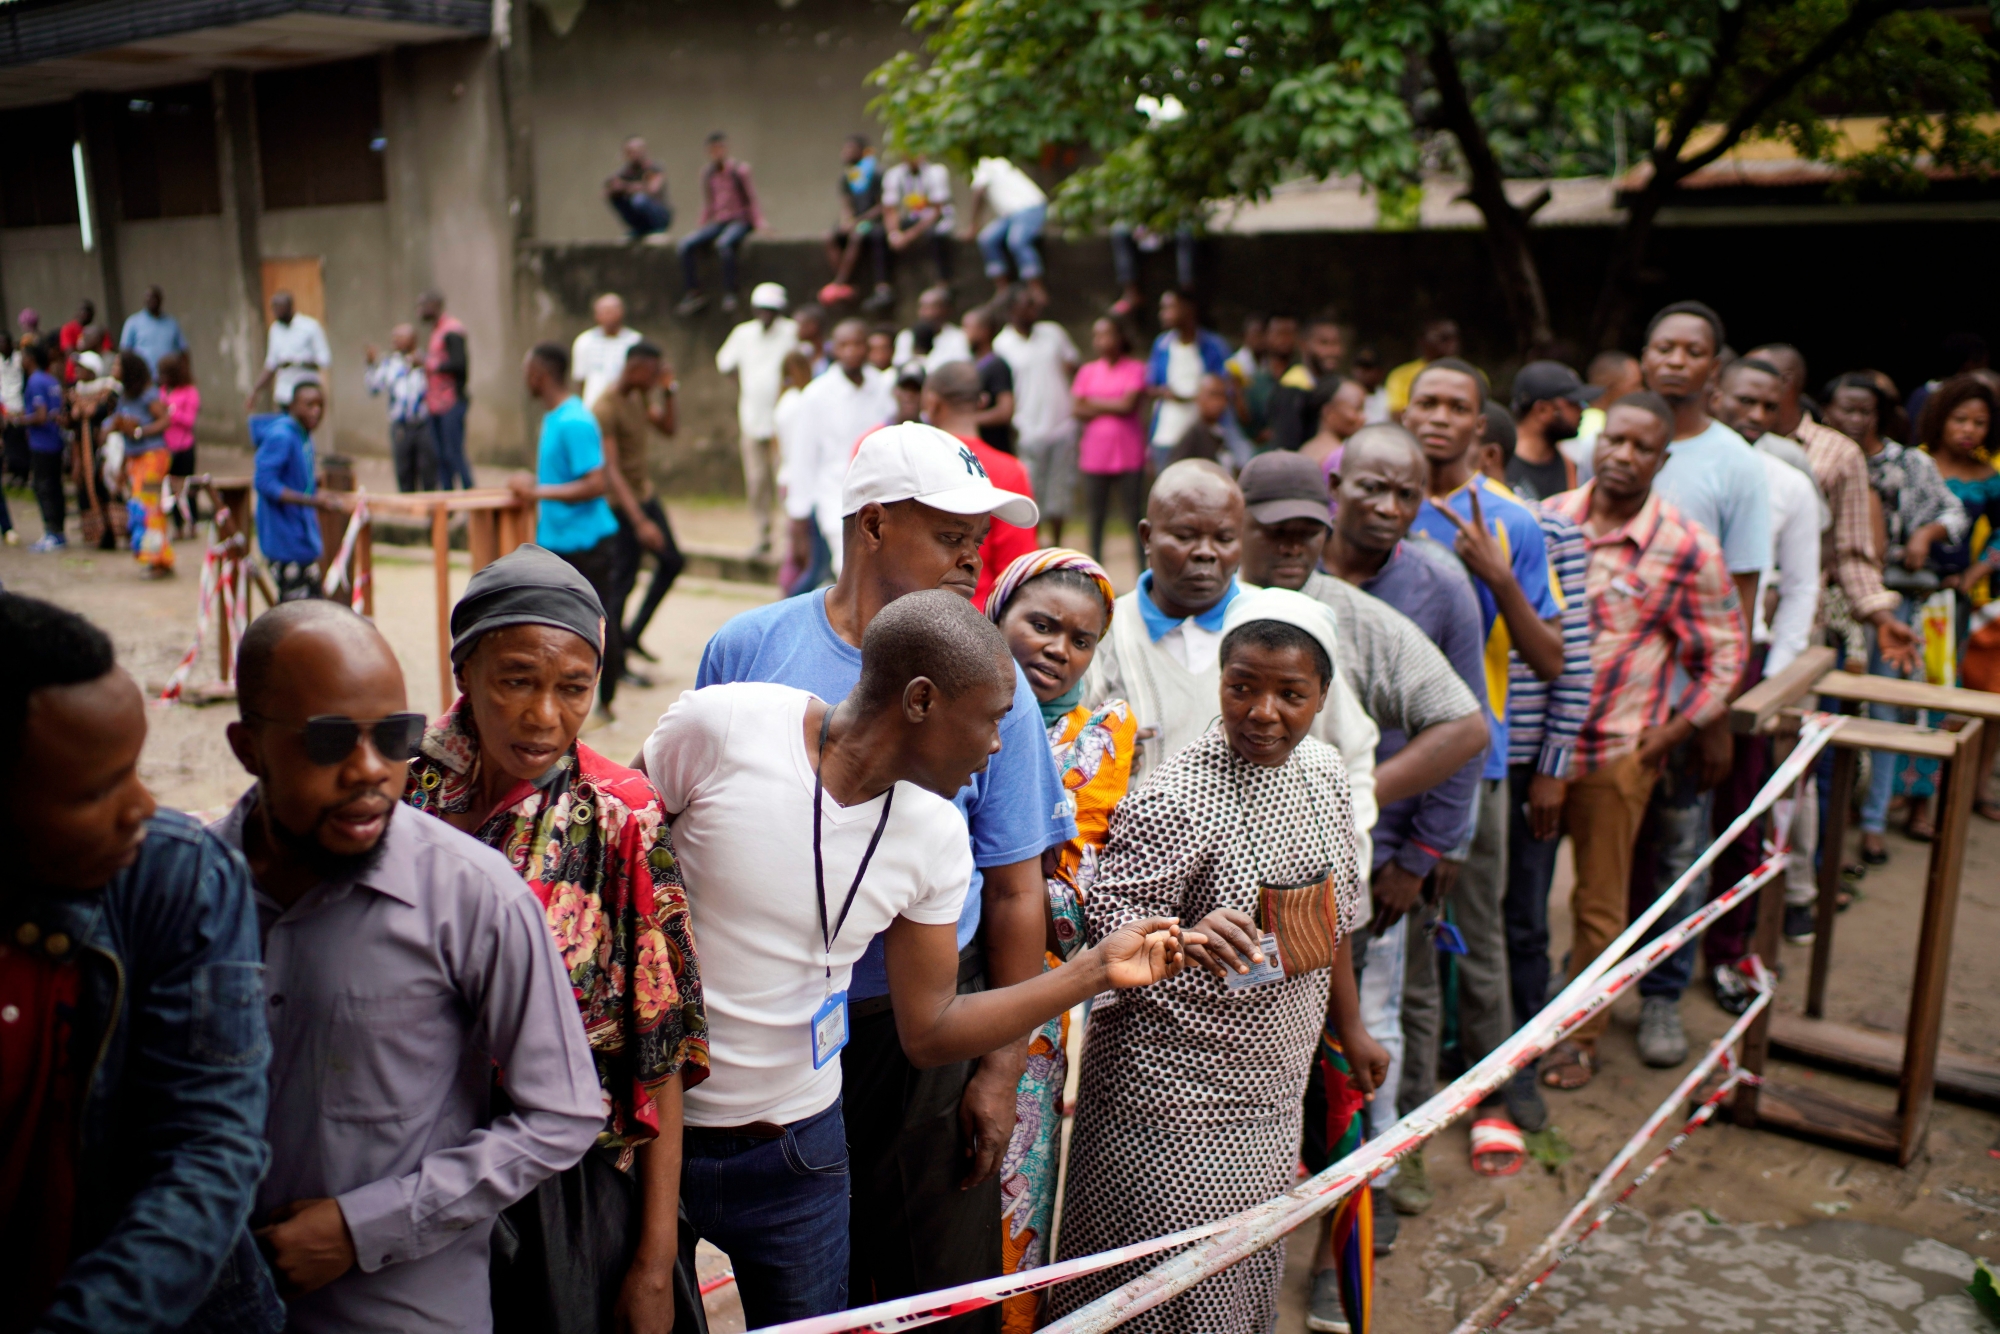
(364, 567)
(1832, 849)
(1958, 779)
(441, 559)
(482, 538)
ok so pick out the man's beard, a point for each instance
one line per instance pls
(1560, 429)
(330, 867)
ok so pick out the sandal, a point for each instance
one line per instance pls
(1498, 1150)
(1569, 1065)
(1921, 828)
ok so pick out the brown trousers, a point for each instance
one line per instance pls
(1602, 815)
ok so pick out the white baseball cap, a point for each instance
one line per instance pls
(767, 296)
(916, 461)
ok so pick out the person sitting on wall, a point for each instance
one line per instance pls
(637, 192)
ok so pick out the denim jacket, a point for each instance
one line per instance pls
(170, 1032)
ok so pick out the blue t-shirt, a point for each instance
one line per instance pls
(46, 390)
(286, 531)
(1014, 810)
(1428, 585)
(140, 409)
(1520, 536)
(571, 447)
(152, 337)
(1717, 480)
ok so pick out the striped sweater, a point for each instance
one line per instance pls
(1544, 717)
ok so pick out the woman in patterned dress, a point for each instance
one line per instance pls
(1191, 1098)
(1054, 606)
(595, 1247)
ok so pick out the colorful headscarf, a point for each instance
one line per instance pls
(1024, 568)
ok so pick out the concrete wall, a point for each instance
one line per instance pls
(190, 258)
(784, 81)
(45, 267)
(350, 241)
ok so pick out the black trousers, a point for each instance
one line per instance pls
(667, 567)
(1097, 488)
(911, 1229)
(595, 565)
(413, 446)
(46, 470)
(14, 449)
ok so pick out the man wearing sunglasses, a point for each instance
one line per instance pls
(404, 961)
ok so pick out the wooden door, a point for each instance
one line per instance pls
(302, 278)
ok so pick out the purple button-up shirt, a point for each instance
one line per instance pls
(391, 999)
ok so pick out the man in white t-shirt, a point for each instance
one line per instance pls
(916, 204)
(1044, 360)
(755, 352)
(948, 341)
(295, 350)
(1020, 210)
(597, 357)
(847, 401)
(778, 797)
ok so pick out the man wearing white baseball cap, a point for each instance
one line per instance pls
(755, 350)
(924, 1145)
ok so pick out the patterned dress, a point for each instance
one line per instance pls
(1191, 1100)
(592, 843)
(1093, 750)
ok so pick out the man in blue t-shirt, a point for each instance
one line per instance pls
(925, 1145)
(1500, 543)
(288, 494)
(572, 517)
(41, 411)
(151, 332)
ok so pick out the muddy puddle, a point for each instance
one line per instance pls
(1687, 1273)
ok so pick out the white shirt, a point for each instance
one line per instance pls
(1193, 647)
(1043, 362)
(757, 355)
(1795, 529)
(597, 359)
(13, 384)
(1008, 188)
(1183, 379)
(732, 762)
(951, 344)
(290, 349)
(909, 188)
(786, 428)
(834, 414)
(1375, 407)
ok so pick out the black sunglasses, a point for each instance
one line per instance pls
(330, 738)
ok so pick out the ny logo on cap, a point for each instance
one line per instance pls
(971, 462)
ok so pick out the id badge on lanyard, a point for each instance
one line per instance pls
(828, 1031)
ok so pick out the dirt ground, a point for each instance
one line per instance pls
(1726, 1194)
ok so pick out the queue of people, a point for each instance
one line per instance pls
(1286, 813)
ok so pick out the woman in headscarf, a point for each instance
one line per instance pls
(1054, 606)
(596, 1247)
(1192, 1092)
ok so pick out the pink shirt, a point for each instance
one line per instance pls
(183, 405)
(1111, 444)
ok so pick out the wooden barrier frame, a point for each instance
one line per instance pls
(1962, 751)
(496, 522)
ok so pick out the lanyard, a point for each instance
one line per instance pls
(819, 867)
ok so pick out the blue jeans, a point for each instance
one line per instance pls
(1679, 823)
(449, 427)
(777, 1206)
(1531, 870)
(643, 214)
(1016, 234)
(725, 237)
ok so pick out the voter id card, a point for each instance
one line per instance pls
(1260, 974)
(829, 1029)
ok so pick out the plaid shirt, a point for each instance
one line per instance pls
(1544, 718)
(1660, 596)
(1847, 550)
(403, 380)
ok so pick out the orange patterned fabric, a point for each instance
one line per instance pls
(1306, 920)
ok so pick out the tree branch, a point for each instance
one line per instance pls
(1698, 101)
(1455, 111)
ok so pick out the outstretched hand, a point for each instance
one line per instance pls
(1141, 953)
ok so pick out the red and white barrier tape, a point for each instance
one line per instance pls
(1529, 1276)
(336, 570)
(1229, 1240)
(218, 566)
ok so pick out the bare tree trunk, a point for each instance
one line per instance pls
(1613, 317)
(1506, 225)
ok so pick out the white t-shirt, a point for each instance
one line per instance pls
(1043, 362)
(1795, 528)
(789, 432)
(909, 188)
(1008, 188)
(834, 413)
(732, 761)
(597, 359)
(1183, 379)
(757, 355)
(951, 344)
(292, 350)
